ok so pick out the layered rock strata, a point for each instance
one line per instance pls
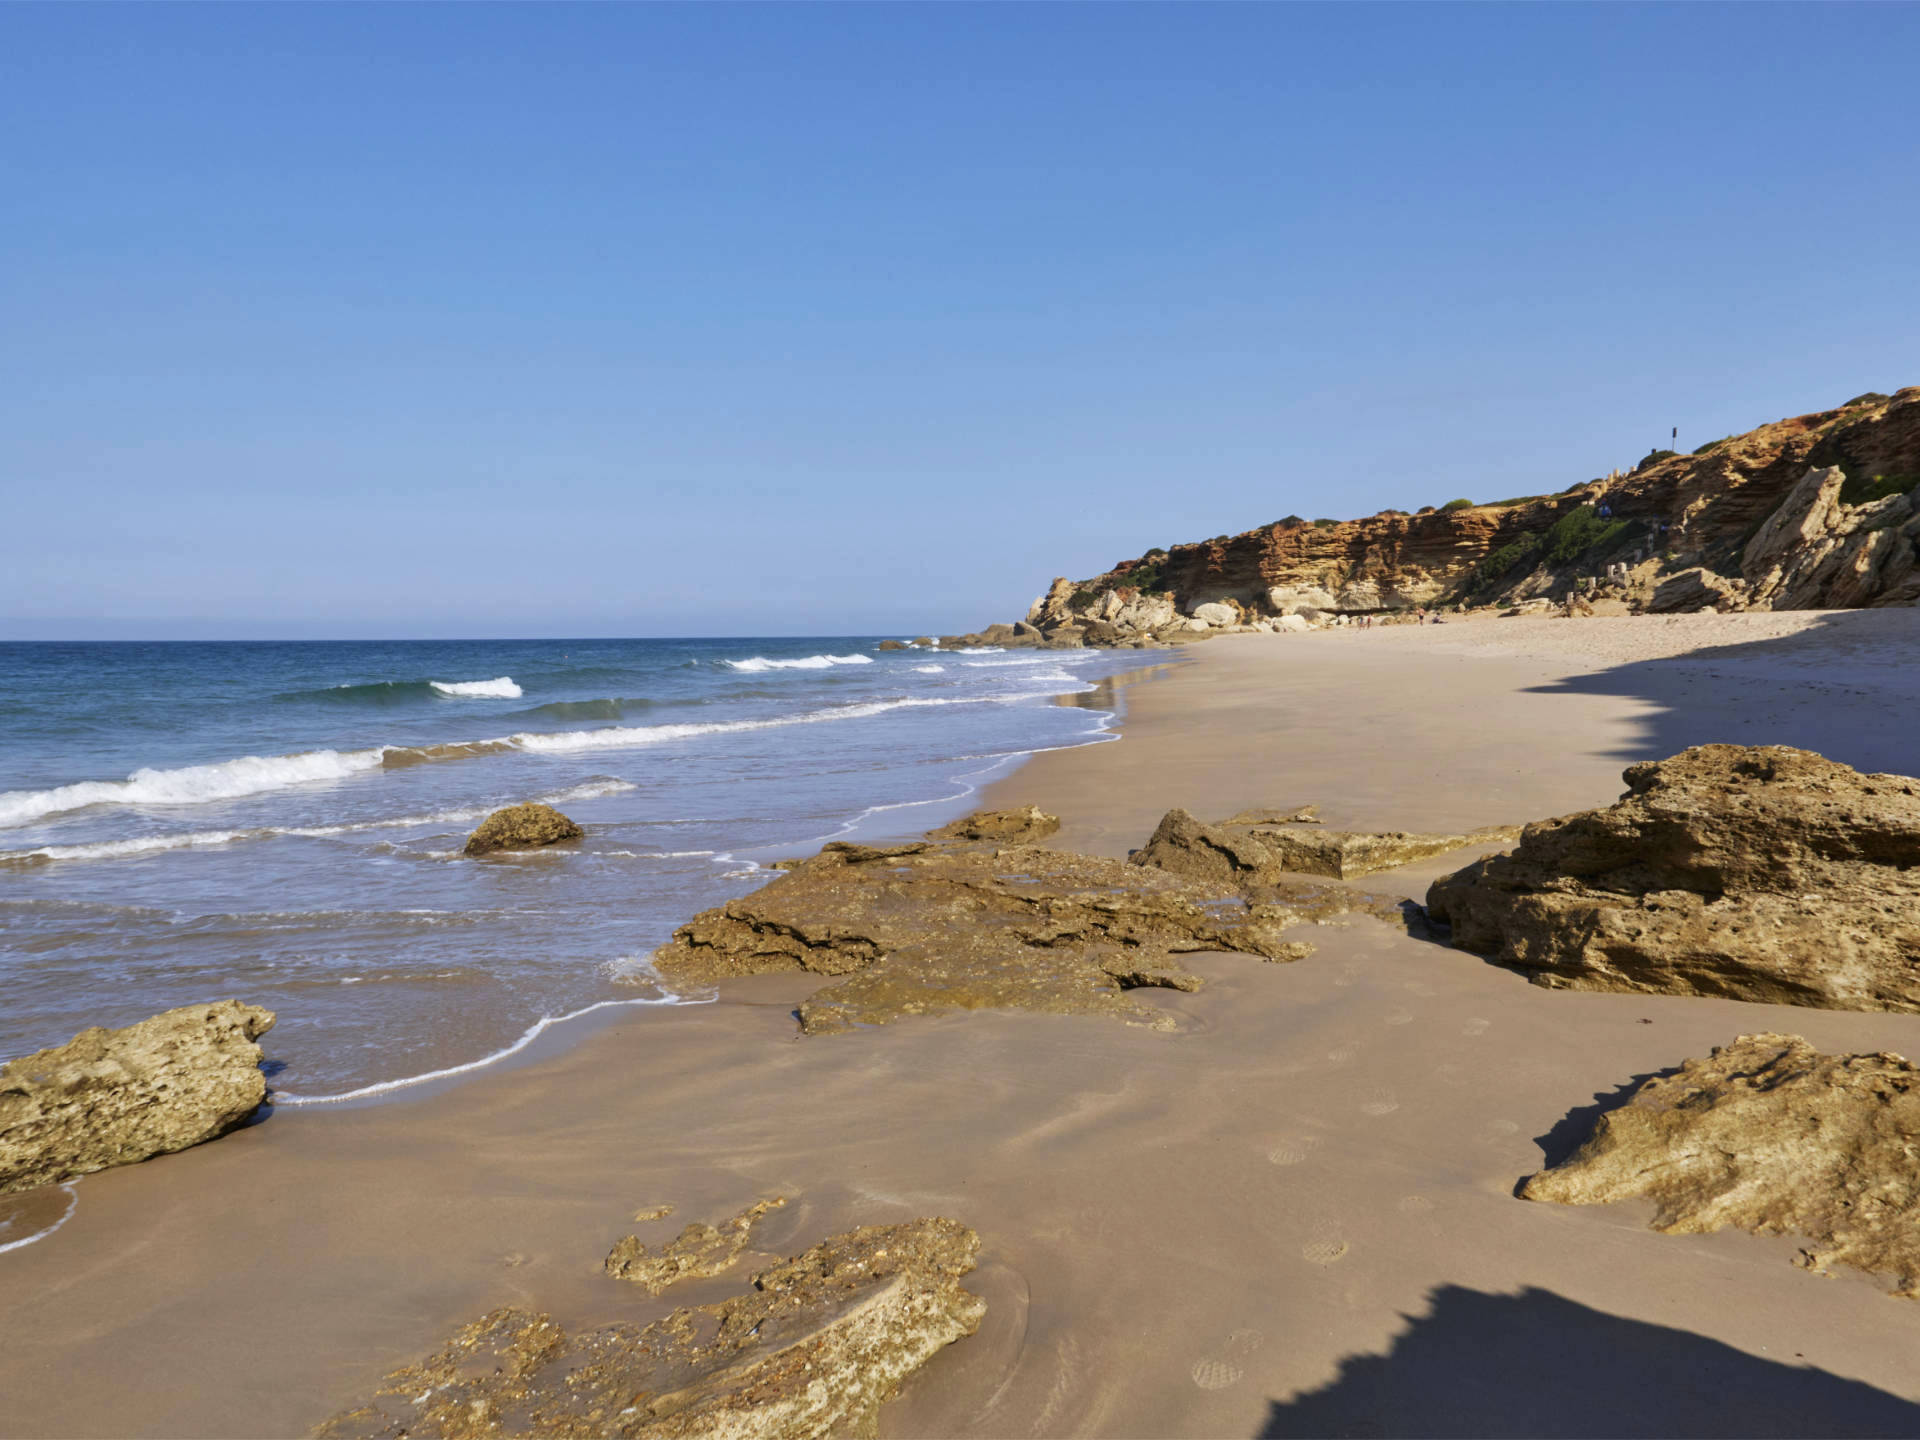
(933, 926)
(1751, 872)
(1768, 1135)
(522, 827)
(115, 1097)
(814, 1349)
(1252, 849)
(698, 1252)
(1815, 511)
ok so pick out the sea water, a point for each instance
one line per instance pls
(282, 822)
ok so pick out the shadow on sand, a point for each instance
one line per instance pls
(1536, 1363)
(1857, 665)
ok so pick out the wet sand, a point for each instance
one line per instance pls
(1293, 1216)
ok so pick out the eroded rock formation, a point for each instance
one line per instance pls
(696, 1253)
(1769, 1135)
(1752, 872)
(932, 926)
(814, 1349)
(1811, 512)
(114, 1097)
(522, 827)
(1253, 850)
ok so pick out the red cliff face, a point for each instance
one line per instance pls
(1632, 534)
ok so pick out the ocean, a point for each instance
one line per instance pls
(282, 822)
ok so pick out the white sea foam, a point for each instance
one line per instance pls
(931, 669)
(73, 1202)
(981, 650)
(191, 784)
(810, 662)
(500, 689)
(197, 839)
(532, 1033)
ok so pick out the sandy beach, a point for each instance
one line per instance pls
(1292, 1215)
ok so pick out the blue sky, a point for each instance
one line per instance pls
(490, 320)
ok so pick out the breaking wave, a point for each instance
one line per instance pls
(191, 784)
(810, 662)
(501, 689)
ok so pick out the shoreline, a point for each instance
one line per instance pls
(1224, 1230)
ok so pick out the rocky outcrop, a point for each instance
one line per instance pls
(696, 1253)
(1752, 872)
(814, 1349)
(522, 827)
(1246, 851)
(115, 1097)
(1771, 1136)
(961, 924)
(1813, 511)
(1008, 827)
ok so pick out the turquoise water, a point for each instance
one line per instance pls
(282, 822)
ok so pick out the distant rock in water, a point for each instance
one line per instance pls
(522, 827)
(814, 1349)
(115, 1097)
(1769, 1135)
(1752, 872)
(1014, 827)
(698, 1252)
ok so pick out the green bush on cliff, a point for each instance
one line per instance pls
(1579, 532)
(1865, 489)
(1713, 445)
(1517, 500)
(1456, 505)
(1325, 524)
(1150, 576)
(1502, 561)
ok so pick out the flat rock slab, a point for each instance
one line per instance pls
(934, 926)
(522, 827)
(115, 1097)
(814, 1349)
(1771, 1136)
(1256, 852)
(1751, 872)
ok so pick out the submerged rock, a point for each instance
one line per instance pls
(814, 1349)
(115, 1097)
(522, 827)
(1771, 1136)
(962, 924)
(699, 1251)
(1752, 872)
(1246, 851)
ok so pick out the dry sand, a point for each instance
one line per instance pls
(1293, 1216)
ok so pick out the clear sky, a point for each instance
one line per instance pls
(488, 320)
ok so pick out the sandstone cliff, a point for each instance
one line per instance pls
(1812, 512)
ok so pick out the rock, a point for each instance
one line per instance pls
(1309, 600)
(1026, 631)
(1016, 827)
(963, 924)
(1241, 853)
(1771, 1136)
(1286, 815)
(1292, 624)
(522, 827)
(1751, 872)
(814, 1349)
(892, 645)
(1696, 589)
(1215, 614)
(1099, 632)
(1146, 613)
(116, 1097)
(698, 1252)
(996, 634)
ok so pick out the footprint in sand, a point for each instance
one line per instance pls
(1415, 1205)
(1217, 1372)
(1326, 1246)
(1379, 1101)
(1418, 987)
(1399, 1017)
(1293, 1149)
(1476, 1026)
(1447, 1074)
(1346, 977)
(1343, 1056)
